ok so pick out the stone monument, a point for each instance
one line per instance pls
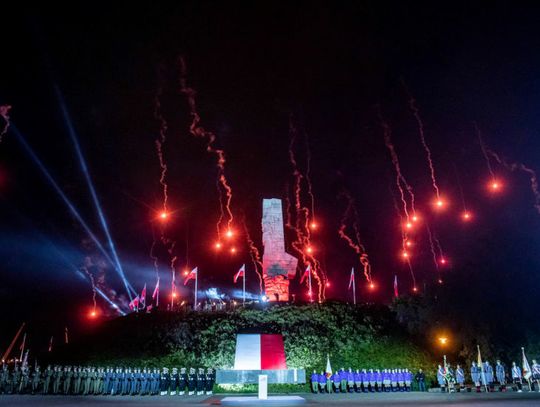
(278, 265)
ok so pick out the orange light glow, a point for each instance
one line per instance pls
(186, 272)
(229, 233)
(409, 225)
(405, 254)
(217, 245)
(440, 203)
(313, 225)
(93, 314)
(174, 295)
(233, 250)
(415, 289)
(309, 249)
(415, 218)
(408, 243)
(328, 283)
(371, 286)
(466, 216)
(163, 215)
(495, 185)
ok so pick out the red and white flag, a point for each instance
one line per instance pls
(143, 296)
(192, 275)
(240, 273)
(259, 352)
(305, 274)
(134, 304)
(396, 292)
(156, 290)
(351, 280)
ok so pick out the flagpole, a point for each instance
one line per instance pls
(157, 294)
(244, 288)
(353, 287)
(22, 347)
(196, 280)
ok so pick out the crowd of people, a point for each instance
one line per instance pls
(363, 381)
(488, 377)
(77, 380)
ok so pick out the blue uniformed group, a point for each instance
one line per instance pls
(70, 380)
(362, 381)
(486, 376)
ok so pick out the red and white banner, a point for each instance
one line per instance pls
(192, 275)
(259, 352)
(305, 274)
(240, 273)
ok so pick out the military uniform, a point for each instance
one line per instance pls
(314, 382)
(210, 380)
(165, 381)
(155, 382)
(47, 376)
(4, 378)
(192, 382)
(144, 381)
(182, 381)
(98, 381)
(201, 378)
(68, 375)
(174, 381)
(460, 377)
(116, 377)
(516, 376)
(24, 380)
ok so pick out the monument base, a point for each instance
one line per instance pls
(288, 376)
(270, 401)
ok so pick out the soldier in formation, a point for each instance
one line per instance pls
(362, 381)
(79, 380)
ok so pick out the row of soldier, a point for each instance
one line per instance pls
(106, 381)
(362, 381)
(450, 379)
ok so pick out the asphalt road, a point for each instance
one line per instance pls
(392, 399)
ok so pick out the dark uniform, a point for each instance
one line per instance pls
(210, 379)
(24, 380)
(107, 382)
(174, 381)
(36, 380)
(4, 379)
(79, 379)
(124, 380)
(201, 378)
(144, 381)
(192, 382)
(182, 381)
(98, 381)
(165, 380)
(47, 380)
(116, 381)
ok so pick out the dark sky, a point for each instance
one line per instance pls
(332, 66)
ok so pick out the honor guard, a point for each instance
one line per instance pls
(408, 379)
(441, 377)
(378, 379)
(387, 383)
(365, 380)
(314, 382)
(336, 382)
(460, 378)
(358, 381)
(124, 378)
(68, 376)
(500, 374)
(475, 376)
(488, 369)
(165, 380)
(516, 376)
(350, 381)
(156, 381)
(107, 387)
(145, 376)
(210, 379)
(4, 378)
(328, 383)
(36, 380)
(200, 382)
(192, 381)
(115, 378)
(57, 380)
(174, 381)
(24, 380)
(182, 381)
(47, 380)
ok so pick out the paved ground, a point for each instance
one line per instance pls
(400, 399)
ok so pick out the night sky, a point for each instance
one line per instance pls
(333, 67)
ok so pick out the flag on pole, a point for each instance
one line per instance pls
(481, 366)
(305, 274)
(66, 335)
(396, 292)
(143, 296)
(50, 343)
(351, 280)
(156, 290)
(191, 276)
(25, 360)
(240, 273)
(527, 371)
(134, 304)
(328, 366)
(23, 343)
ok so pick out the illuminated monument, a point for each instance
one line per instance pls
(278, 265)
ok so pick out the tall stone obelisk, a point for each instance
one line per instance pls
(278, 265)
